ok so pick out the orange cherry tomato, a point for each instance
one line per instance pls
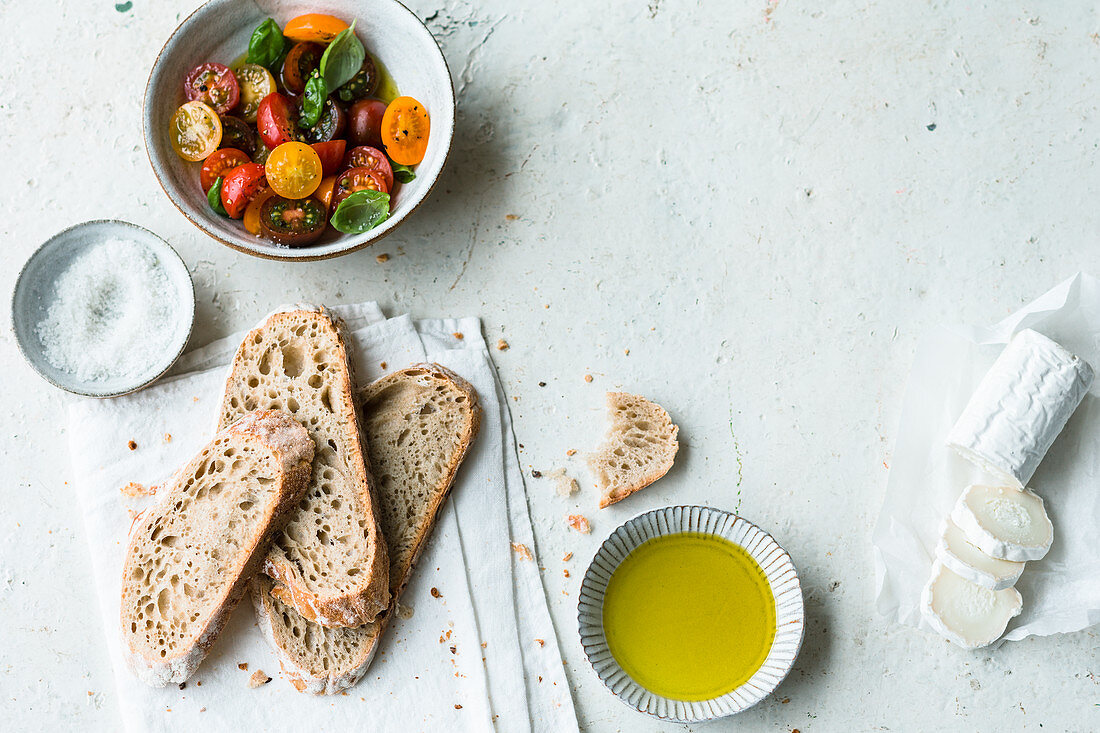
(251, 219)
(324, 191)
(405, 128)
(315, 27)
(293, 170)
(195, 131)
(218, 164)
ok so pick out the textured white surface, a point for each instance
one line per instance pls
(749, 197)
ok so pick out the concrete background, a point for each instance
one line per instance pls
(765, 202)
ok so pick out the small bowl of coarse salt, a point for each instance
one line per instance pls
(103, 308)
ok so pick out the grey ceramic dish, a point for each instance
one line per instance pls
(219, 31)
(34, 291)
(782, 578)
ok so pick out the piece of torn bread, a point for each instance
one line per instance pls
(638, 449)
(330, 561)
(419, 423)
(191, 555)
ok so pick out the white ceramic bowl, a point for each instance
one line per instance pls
(34, 292)
(219, 31)
(782, 579)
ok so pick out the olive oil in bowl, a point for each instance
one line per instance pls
(689, 616)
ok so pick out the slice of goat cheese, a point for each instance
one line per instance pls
(965, 613)
(1004, 523)
(1020, 406)
(965, 559)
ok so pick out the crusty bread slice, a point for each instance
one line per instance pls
(638, 449)
(330, 561)
(191, 555)
(419, 423)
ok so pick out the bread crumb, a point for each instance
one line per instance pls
(523, 551)
(167, 437)
(571, 452)
(382, 365)
(198, 683)
(202, 709)
(502, 345)
(563, 484)
(243, 666)
(542, 384)
(457, 706)
(536, 473)
(404, 611)
(131, 445)
(183, 685)
(382, 258)
(579, 523)
(511, 217)
(588, 378)
(134, 489)
(436, 593)
(258, 679)
(540, 642)
(626, 352)
(458, 335)
(566, 572)
(567, 557)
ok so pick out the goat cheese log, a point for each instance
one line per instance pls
(1020, 407)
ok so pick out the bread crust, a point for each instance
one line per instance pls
(292, 447)
(370, 598)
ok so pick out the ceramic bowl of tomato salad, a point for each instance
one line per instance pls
(263, 199)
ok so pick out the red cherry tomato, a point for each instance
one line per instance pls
(365, 122)
(300, 62)
(240, 185)
(213, 84)
(356, 179)
(331, 154)
(218, 164)
(276, 120)
(365, 156)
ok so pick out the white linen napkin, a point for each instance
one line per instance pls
(464, 661)
(1061, 592)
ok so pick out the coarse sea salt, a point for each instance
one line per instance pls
(112, 314)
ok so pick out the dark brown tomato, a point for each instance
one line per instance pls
(213, 84)
(292, 222)
(365, 122)
(300, 62)
(365, 156)
(362, 85)
(330, 126)
(236, 133)
(356, 179)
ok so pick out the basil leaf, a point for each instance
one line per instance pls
(361, 211)
(266, 45)
(342, 59)
(214, 198)
(402, 173)
(313, 101)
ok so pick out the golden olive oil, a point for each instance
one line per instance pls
(689, 616)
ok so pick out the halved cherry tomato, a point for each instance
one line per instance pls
(365, 122)
(324, 191)
(357, 179)
(276, 120)
(331, 125)
(240, 185)
(365, 156)
(405, 128)
(331, 154)
(300, 62)
(195, 131)
(316, 27)
(255, 83)
(251, 218)
(218, 164)
(293, 170)
(213, 84)
(293, 223)
(363, 84)
(236, 133)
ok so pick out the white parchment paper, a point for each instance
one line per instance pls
(1062, 591)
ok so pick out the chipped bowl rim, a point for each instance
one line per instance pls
(782, 580)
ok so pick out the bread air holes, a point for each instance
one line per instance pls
(265, 364)
(293, 361)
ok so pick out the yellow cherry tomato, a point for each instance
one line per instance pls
(195, 131)
(314, 27)
(255, 82)
(405, 127)
(293, 170)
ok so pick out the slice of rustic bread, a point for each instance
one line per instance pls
(419, 423)
(330, 561)
(192, 554)
(638, 449)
